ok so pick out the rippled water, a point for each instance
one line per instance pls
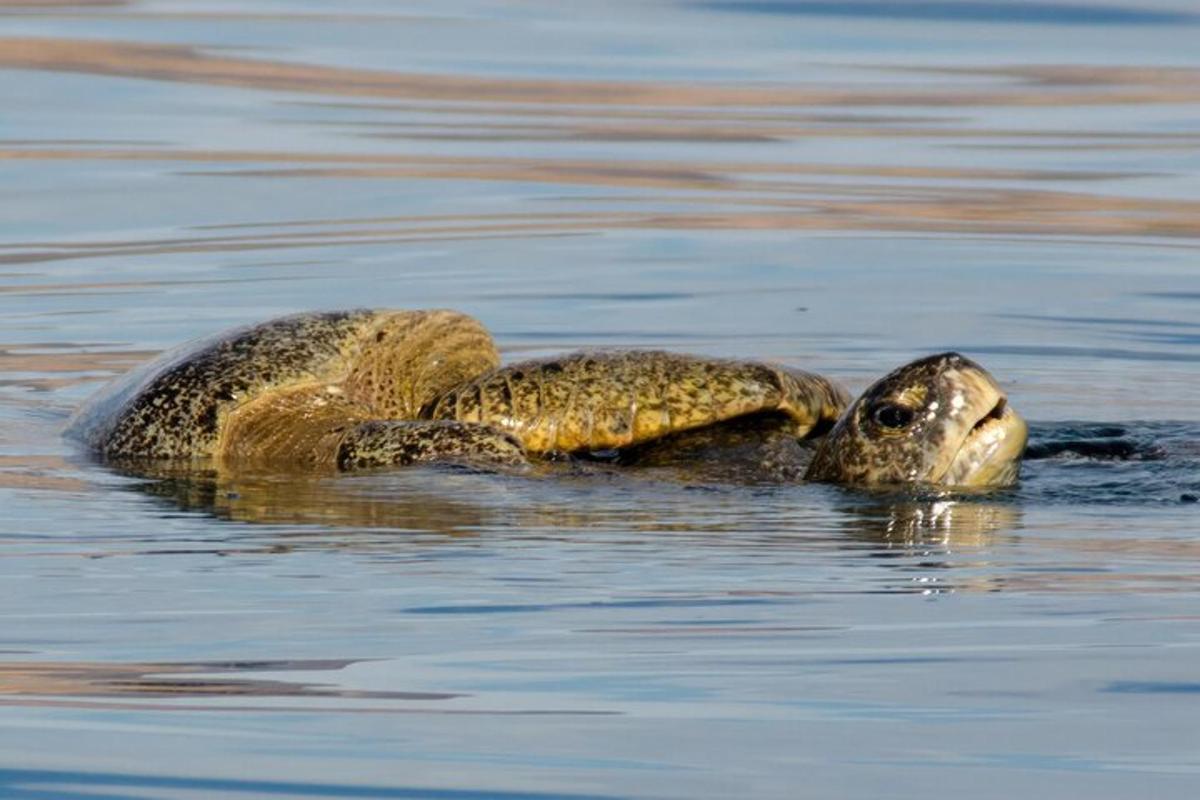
(841, 186)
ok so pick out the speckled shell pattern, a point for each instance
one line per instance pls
(607, 400)
(173, 406)
(366, 388)
(296, 390)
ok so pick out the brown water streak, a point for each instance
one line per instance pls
(746, 196)
(103, 679)
(1017, 86)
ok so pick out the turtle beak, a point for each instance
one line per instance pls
(991, 451)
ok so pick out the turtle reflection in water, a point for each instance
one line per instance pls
(367, 389)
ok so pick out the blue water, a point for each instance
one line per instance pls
(842, 187)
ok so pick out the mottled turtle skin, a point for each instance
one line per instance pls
(371, 388)
(941, 420)
(599, 401)
(338, 389)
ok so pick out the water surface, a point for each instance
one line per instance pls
(842, 187)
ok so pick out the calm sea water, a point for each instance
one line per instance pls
(841, 186)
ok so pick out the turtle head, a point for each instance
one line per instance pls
(939, 421)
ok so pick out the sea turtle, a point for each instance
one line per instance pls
(374, 388)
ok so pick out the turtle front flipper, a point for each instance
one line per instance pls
(318, 427)
(602, 401)
(394, 443)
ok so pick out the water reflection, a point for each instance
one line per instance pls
(923, 543)
(1035, 85)
(933, 525)
(977, 11)
(28, 680)
(674, 195)
(73, 784)
(320, 500)
(751, 488)
(559, 499)
(450, 501)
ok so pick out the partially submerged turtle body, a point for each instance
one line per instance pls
(362, 389)
(309, 390)
(366, 389)
(938, 421)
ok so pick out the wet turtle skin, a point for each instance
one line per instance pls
(940, 420)
(304, 391)
(610, 400)
(370, 388)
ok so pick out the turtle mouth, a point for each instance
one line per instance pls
(990, 454)
(997, 413)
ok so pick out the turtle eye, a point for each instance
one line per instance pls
(893, 416)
